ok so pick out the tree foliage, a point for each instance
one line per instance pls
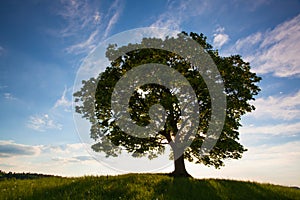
(240, 87)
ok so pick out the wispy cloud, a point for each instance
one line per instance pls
(83, 158)
(168, 22)
(42, 123)
(1, 50)
(79, 15)
(258, 3)
(63, 101)
(112, 16)
(178, 11)
(252, 5)
(51, 119)
(64, 148)
(97, 17)
(72, 159)
(87, 24)
(284, 107)
(249, 42)
(9, 96)
(83, 46)
(10, 149)
(3, 86)
(220, 38)
(275, 51)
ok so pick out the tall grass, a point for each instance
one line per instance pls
(140, 186)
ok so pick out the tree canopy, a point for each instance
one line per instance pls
(240, 87)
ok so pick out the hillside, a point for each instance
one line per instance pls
(139, 186)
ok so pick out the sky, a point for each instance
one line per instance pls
(43, 44)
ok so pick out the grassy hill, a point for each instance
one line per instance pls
(140, 186)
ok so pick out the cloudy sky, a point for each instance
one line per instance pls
(43, 43)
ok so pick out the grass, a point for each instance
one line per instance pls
(140, 186)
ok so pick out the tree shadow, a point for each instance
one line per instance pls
(184, 188)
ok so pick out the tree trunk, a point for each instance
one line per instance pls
(180, 170)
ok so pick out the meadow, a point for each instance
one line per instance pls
(140, 186)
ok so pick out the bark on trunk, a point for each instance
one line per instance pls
(180, 170)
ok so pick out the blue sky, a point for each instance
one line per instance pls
(43, 43)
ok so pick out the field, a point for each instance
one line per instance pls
(140, 186)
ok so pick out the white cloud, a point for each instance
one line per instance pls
(220, 38)
(275, 51)
(284, 129)
(64, 148)
(277, 164)
(278, 107)
(42, 123)
(65, 159)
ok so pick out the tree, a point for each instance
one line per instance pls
(96, 98)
